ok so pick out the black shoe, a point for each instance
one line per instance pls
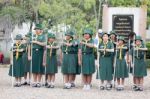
(25, 83)
(73, 85)
(108, 87)
(67, 87)
(136, 89)
(15, 85)
(52, 86)
(118, 89)
(38, 85)
(102, 87)
(48, 86)
(140, 89)
(34, 85)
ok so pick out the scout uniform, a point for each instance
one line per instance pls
(37, 56)
(105, 63)
(69, 62)
(88, 62)
(51, 61)
(121, 69)
(17, 66)
(139, 62)
(140, 68)
(37, 53)
(87, 59)
(69, 57)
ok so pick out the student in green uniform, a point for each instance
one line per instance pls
(86, 58)
(38, 43)
(139, 65)
(26, 62)
(17, 68)
(51, 61)
(121, 69)
(105, 62)
(68, 58)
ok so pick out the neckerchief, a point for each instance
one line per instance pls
(137, 55)
(120, 51)
(17, 47)
(68, 41)
(86, 41)
(105, 46)
(51, 44)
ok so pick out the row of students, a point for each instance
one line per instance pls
(77, 57)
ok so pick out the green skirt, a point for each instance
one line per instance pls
(51, 67)
(121, 69)
(105, 69)
(69, 65)
(37, 61)
(26, 63)
(140, 69)
(88, 64)
(17, 68)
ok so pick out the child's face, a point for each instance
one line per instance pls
(138, 42)
(51, 39)
(120, 42)
(112, 37)
(105, 37)
(18, 41)
(86, 36)
(38, 31)
(68, 37)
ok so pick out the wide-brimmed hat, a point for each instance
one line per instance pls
(18, 37)
(51, 35)
(38, 26)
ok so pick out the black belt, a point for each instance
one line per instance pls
(69, 52)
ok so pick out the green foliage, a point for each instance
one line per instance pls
(76, 13)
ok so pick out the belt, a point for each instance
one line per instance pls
(69, 52)
(86, 53)
(37, 49)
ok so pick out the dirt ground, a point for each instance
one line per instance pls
(27, 92)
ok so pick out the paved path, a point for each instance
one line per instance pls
(26, 92)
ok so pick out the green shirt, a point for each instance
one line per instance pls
(109, 45)
(40, 38)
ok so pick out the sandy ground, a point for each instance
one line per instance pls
(27, 92)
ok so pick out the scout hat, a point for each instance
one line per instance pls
(88, 31)
(105, 33)
(51, 35)
(132, 33)
(138, 38)
(121, 38)
(18, 37)
(38, 26)
(69, 33)
(113, 33)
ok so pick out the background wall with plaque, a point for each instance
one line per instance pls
(125, 19)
